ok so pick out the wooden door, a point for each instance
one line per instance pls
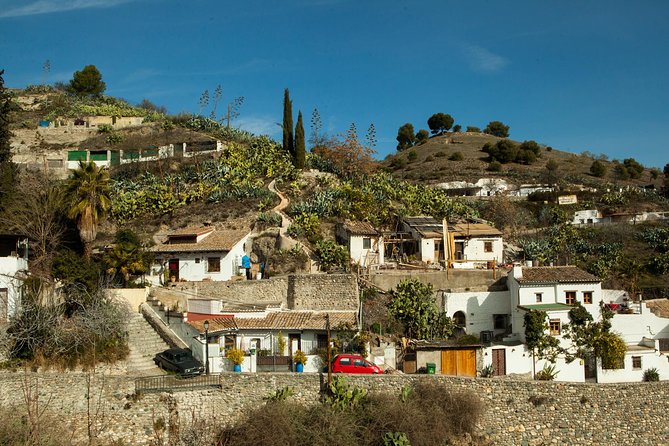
(174, 269)
(458, 362)
(499, 361)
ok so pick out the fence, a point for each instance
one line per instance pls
(169, 383)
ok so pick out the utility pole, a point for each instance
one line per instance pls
(327, 328)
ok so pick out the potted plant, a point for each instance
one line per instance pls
(300, 360)
(236, 357)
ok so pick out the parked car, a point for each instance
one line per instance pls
(180, 361)
(346, 363)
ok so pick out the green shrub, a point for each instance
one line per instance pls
(651, 375)
(457, 156)
(330, 255)
(494, 166)
(548, 373)
(412, 155)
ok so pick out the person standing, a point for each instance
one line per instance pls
(246, 264)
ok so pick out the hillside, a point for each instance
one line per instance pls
(430, 163)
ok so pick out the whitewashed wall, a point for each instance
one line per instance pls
(474, 249)
(358, 253)
(479, 308)
(9, 267)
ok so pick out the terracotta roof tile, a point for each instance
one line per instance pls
(288, 320)
(556, 274)
(191, 230)
(218, 240)
(474, 230)
(221, 323)
(359, 228)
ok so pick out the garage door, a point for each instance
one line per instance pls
(458, 362)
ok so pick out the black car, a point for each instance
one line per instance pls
(180, 361)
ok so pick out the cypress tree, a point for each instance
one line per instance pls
(300, 146)
(7, 168)
(288, 143)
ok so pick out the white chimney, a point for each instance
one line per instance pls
(517, 271)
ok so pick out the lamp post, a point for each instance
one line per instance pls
(206, 347)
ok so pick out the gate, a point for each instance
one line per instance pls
(458, 362)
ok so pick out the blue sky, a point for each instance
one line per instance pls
(574, 75)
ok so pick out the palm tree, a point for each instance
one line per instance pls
(89, 189)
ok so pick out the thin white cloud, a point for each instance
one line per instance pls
(483, 60)
(259, 125)
(52, 6)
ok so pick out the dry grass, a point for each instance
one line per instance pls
(431, 415)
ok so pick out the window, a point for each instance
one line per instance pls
(366, 243)
(499, 321)
(213, 264)
(636, 362)
(197, 260)
(321, 341)
(538, 297)
(487, 246)
(554, 327)
(345, 361)
(570, 297)
(587, 297)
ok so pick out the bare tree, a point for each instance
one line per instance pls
(38, 212)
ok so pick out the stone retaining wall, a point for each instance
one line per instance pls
(295, 291)
(516, 412)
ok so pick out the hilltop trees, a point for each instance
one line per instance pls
(439, 123)
(87, 82)
(422, 136)
(598, 169)
(507, 151)
(497, 128)
(405, 137)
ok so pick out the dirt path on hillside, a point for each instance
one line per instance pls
(285, 223)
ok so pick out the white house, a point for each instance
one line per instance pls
(484, 187)
(258, 334)
(589, 217)
(196, 254)
(471, 243)
(13, 268)
(365, 243)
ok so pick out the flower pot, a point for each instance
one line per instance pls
(299, 367)
(237, 368)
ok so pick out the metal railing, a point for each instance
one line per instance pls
(169, 383)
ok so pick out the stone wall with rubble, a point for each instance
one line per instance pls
(515, 412)
(296, 291)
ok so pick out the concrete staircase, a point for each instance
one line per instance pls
(144, 343)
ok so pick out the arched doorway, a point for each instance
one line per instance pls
(460, 319)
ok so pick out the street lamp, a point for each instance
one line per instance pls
(206, 346)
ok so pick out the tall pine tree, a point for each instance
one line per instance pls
(7, 168)
(288, 143)
(300, 146)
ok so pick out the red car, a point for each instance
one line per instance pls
(354, 364)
